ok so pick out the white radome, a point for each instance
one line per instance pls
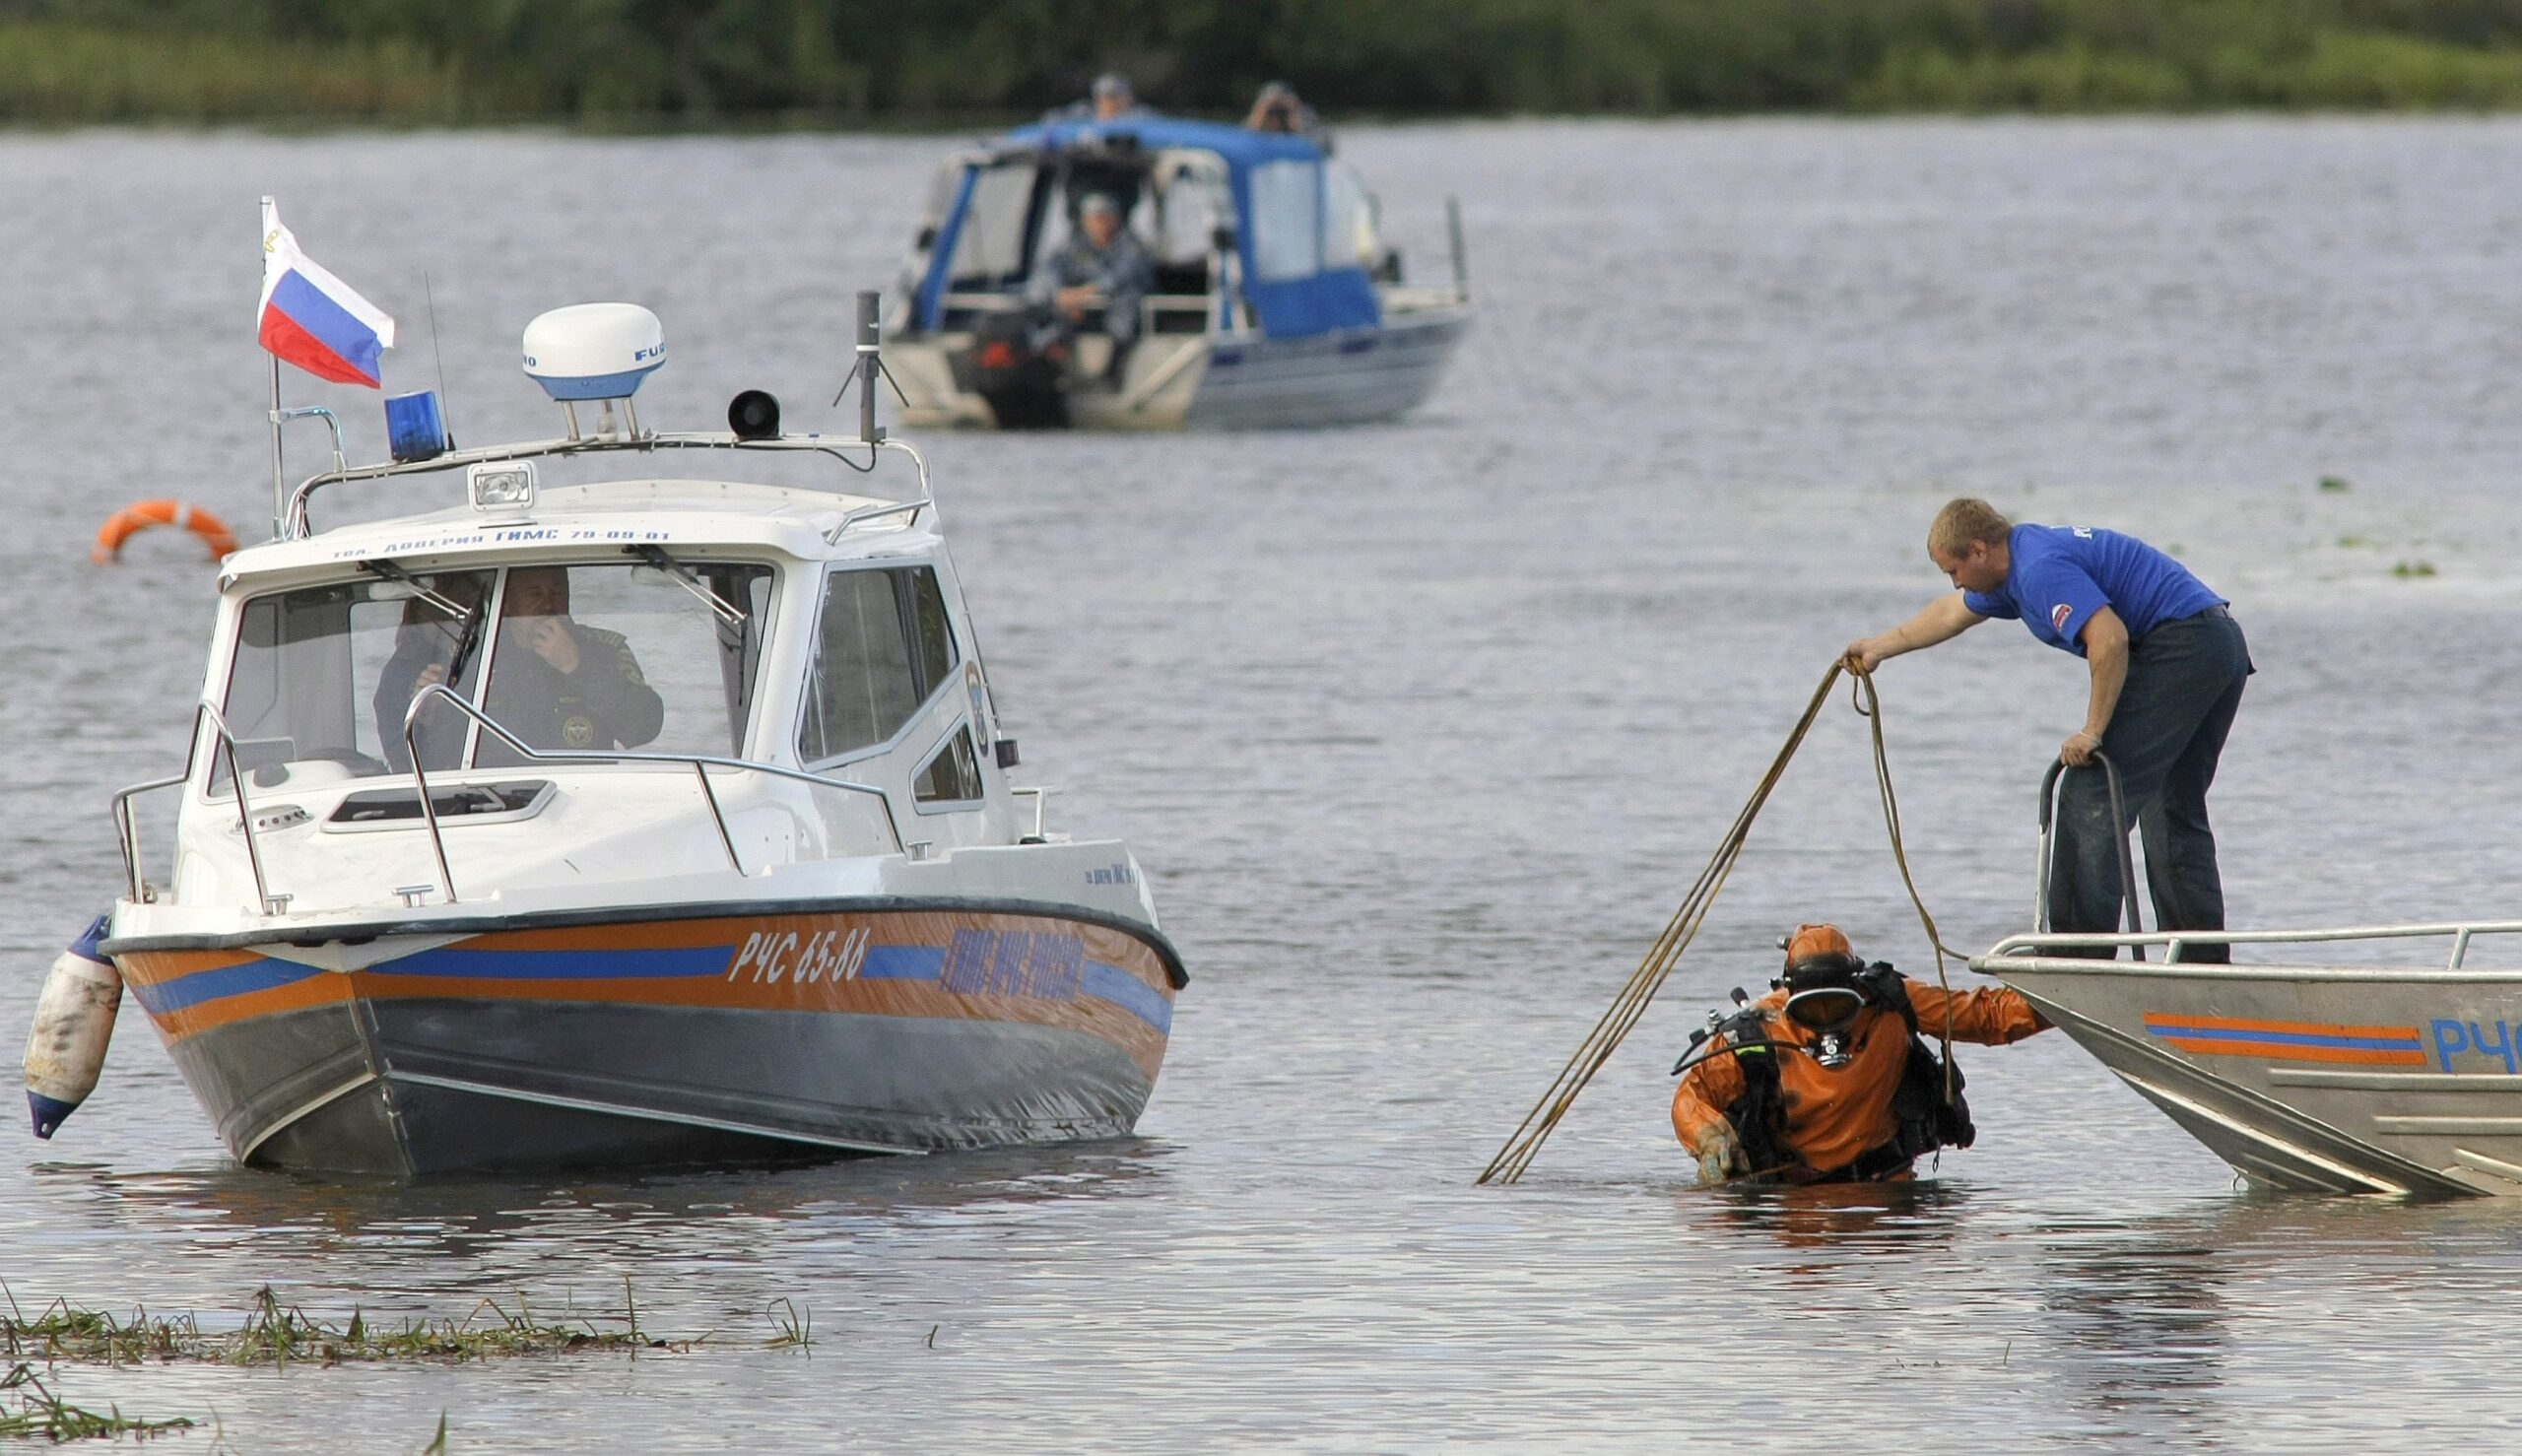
(593, 350)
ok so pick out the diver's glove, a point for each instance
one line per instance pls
(1719, 1151)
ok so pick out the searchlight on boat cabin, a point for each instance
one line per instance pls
(505, 488)
(595, 353)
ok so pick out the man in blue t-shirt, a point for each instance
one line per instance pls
(2167, 664)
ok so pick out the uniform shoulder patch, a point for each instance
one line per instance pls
(2058, 616)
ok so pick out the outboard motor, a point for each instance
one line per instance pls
(74, 1022)
(1018, 358)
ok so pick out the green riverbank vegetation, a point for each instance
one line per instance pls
(959, 62)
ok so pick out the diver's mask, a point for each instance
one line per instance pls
(1829, 1012)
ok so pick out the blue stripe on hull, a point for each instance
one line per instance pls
(916, 964)
(216, 986)
(563, 965)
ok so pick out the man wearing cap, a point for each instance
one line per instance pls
(2167, 663)
(1828, 1079)
(1102, 263)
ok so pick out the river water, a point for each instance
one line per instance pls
(1420, 731)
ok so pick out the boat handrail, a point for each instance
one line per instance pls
(294, 527)
(2031, 944)
(700, 764)
(127, 828)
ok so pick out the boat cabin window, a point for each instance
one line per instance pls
(881, 648)
(953, 776)
(624, 656)
(303, 692)
(1287, 219)
(992, 246)
(1349, 235)
(576, 657)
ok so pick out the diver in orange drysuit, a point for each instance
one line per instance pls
(1851, 1092)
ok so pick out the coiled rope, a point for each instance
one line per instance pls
(1629, 1004)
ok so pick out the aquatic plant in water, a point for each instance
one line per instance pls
(276, 1334)
(39, 1413)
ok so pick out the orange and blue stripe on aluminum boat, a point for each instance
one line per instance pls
(2289, 1042)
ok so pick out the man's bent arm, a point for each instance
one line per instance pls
(1944, 619)
(1699, 1102)
(2105, 641)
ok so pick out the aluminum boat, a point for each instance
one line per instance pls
(745, 875)
(1275, 301)
(2369, 1059)
(2398, 1078)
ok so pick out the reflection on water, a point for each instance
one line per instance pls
(1419, 730)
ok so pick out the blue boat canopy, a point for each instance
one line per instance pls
(1289, 211)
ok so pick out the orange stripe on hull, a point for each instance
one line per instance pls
(756, 981)
(324, 988)
(157, 968)
(2294, 1029)
(2273, 1052)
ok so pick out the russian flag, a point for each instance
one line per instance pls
(314, 320)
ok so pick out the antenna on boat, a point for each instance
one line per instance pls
(446, 412)
(869, 362)
(868, 367)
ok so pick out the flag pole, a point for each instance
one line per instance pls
(280, 487)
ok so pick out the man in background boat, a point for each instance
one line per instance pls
(1829, 1078)
(1109, 99)
(1278, 109)
(558, 684)
(1102, 263)
(2166, 663)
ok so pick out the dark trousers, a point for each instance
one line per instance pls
(2184, 682)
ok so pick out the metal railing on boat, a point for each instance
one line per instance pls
(127, 830)
(2061, 945)
(700, 764)
(294, 524)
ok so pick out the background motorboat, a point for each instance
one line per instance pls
(1274, 300)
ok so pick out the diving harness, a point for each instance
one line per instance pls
(1826, 998)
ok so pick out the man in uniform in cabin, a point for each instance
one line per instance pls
(1828, 1077)
(558, 684)
(1103, 262)
(2167, 663)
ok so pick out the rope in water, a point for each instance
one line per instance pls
(1629, 1004)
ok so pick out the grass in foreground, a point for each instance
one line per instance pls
(276, 1334)
(40, 1414)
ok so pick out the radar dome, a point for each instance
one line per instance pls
(593, 350)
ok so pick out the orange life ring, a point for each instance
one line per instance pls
(140, 515)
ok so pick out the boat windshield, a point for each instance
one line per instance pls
(589, 658)
(994, 246)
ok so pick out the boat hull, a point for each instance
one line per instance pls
(645, 1043)
(2328, 1080)
(1353, 376)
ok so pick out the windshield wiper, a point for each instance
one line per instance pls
(689, 580)
(389, 572)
